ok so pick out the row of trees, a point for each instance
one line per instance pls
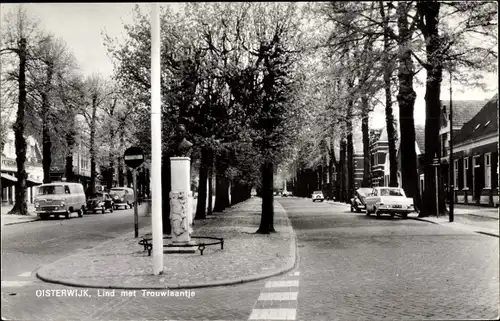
(371, 51)
(231, 74)
(57, 104)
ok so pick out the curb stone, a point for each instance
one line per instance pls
(24, 221)
(290, 265)
(473, 231)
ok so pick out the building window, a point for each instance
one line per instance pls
(487, 170)
(466, 168)
(455, 173)
(475, 161)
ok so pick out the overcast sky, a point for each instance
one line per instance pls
(81, 25)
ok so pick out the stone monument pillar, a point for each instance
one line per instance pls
(180, 211)
(180, 204)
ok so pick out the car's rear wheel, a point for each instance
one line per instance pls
(405, 215)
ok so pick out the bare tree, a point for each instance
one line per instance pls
(19, 36)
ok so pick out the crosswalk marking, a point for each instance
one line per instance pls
(278, 299)
(278, 296)
(282, 284)
(273, 314)
(25, 274)
(13, 284)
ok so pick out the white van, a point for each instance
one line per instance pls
(60, 198)
(122, 197)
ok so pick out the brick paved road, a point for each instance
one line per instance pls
(352, 267)
(358, 267)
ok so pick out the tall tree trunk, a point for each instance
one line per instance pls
(406, 100)
(121, 165)
(166, 187)
(350, 155)
(389, 116)
(20, 206)
(365, 130)
(210, 183)
(70, 140)
(92, 146)
(111, 159)
(46, 142)
(221, 186)
(267, 218)
(430, 11)
(343, 170)
(202, 186)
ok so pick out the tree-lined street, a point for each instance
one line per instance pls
(351, 267)
(250, 109)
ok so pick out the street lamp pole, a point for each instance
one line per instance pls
(452, 167)
(156, 217)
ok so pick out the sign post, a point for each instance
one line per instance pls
(134, 157)
(435, 163)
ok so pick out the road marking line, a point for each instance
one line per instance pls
(25, 274)
(12, 284)
(281, 284)
(278, 296)
(273, 314)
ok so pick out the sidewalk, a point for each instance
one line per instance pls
(121, 263)
(9, 219)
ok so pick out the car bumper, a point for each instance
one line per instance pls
(396, 210)
(43, 211)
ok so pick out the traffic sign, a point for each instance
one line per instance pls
(134, 157)
(435, 162)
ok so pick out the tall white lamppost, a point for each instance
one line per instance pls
(156, 218)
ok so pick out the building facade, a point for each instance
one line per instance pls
(33, 167)
(475, 158)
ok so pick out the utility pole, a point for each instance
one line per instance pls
(156, 218)
(452, 169)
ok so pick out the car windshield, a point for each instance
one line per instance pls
(51, 190)
(391, 192)
(119, 192)
(317, 192)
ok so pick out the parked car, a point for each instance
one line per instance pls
(317, 196)
(358, 201)
(389, 200)
(122, 197)
(286, 193)
(100, 202)
(60, 198)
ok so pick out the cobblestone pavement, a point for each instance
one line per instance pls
(355, 267)
(21, 301)
(123, 263)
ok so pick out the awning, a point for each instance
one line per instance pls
(9, 177)
(32, 182)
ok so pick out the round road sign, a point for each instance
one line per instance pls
(133, 157)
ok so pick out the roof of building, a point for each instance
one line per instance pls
(484, 123)
(463, 111)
